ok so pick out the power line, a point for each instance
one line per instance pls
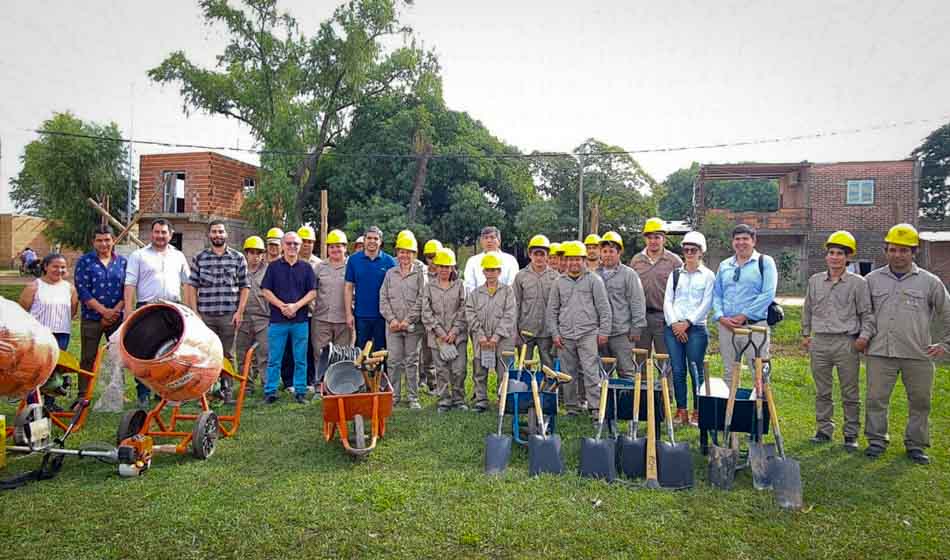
(536, 155)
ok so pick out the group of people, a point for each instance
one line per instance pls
(573, 303)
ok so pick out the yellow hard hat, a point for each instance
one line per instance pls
(592, 239)
(844, 239)
(539, 242)
(408, 243)
(491, 260)
(574, 249)
(902, 234)
(654, 225)
(432, 247)
(254, 242)
(275, 233)
(306, 233)
(555, 248)
(612, 237)
(405, 233)
(336, 237)
(444, 257)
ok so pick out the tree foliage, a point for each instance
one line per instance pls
(297, 93)
(677, 200)
(934, 156)
(60, 172)
(759, 195)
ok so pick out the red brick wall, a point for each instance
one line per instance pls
(895, 196)
(213, 183)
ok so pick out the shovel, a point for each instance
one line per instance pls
(786, 474)
(675, 460)
(498, 446)
(759, 453)
(544, 452)
(597, 455)
(652, 481)
(632, 451)
(723, 459)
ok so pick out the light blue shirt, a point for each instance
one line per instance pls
(751, 294)
(692, 298)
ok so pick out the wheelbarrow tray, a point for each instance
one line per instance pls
(340, 409)
(521, 402)
(712, 416)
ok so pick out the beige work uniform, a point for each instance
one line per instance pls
(427, 373)
(653, 276)
(531, 293)
(254, 327)
(835, 313)
(443, 313)
(328, 323)
(490, 315)
(903, 309)
(400, 298)
(627, 314)
(579, 311)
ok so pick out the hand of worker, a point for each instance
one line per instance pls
(634, 338)
(601, 340)
(483, 342)
(861, 345)
(740, 320)
(236, 320)
(450, 338)
(288, 310)
(493, 341)
(936, 351)
(806, 342)
(394, 325)
(350, 322)
(559, 342)
(109, 315)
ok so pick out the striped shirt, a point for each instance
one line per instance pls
(219, 280)
(52, 305)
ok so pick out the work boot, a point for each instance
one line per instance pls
(480, 408)
(918, 456)
(461, 406)
(300, 399)
(850, 444)
(874, 451)
(694, 418)
(414, 405)
(681, 418)
(820, 437)
(270, 399)
(442, 409)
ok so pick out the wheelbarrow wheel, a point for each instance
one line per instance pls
(359, 432)
(131, 424)
(204, 435)
(533, 422)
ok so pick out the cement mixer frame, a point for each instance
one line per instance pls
(207, 426)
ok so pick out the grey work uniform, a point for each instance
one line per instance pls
(254, 326)
(400, 298)
(835, 313)
(903, 310)
(653, 276)
(426, 364)
(579, 311)
(443, 313)
(627, 314)
(328, 323)
(531, 292)
(490, 313)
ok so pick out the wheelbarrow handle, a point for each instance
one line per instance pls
(741, 331)
(758, 329)
(608, 361)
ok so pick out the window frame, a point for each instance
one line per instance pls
(861, 183)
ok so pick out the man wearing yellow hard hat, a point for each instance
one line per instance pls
(554, 257)
(328, 324)
(906, 300)
(532, 286)
(837, 323)
(256, 314)
(579, 320)
(308, 238)
(592, 244)
(274, 237)
(627, 309)
(654, 264)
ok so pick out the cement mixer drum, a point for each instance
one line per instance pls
(170, 349)
(28, 351)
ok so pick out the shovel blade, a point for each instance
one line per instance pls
(722, 467)
(598, 459)
(633, 456)
(787, 483)
(544, 455)
(759, 461)
(497, 453)
(674, 465)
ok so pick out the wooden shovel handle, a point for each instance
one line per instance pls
(731, 404)
(502, 397)
(758, 329)
(508, 353)
(608, 361)
(640, 351)
(741, 331)
(651, 428)
(602, 411)
(773, 420)
(379, 354)
(661, 356)
(538, 413)
(366, 350)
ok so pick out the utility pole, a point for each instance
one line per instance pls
(580, 198)
(128, 196)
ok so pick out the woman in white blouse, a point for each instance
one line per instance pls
(686, 304)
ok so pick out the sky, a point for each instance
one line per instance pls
(541, 75)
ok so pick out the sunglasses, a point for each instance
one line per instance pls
(735, 276)
(690, 250)
(291, 243)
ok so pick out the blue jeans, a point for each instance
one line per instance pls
(371, 329)
(62, 340)
(687, 353)
(277, 335)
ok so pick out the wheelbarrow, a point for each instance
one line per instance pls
(371, 398)
(520, 402)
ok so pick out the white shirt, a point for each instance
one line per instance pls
(475, 278)
(157, 275)
(693, 297)
(53, 305)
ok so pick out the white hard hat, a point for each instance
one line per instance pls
(694, 238)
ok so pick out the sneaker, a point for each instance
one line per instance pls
(480, 408)
(820, 437)
(270, 399)
(414, 405)
(311, 388)
(694, 418)
(681, 418)
(442, 409)
(290, 390)
(874, 451)
(462, 407)
(300, 399)
(850, 443)
(918, 456)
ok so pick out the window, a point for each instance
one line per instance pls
(174, 199)
(249, 185)
(861, 191)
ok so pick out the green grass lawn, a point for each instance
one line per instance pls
(278, 490)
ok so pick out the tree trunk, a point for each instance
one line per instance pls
(423, 153)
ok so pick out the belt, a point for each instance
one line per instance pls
(654, 310)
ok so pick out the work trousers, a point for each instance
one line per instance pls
(651, 336)
(322, 333)
(918, 379)
(427, 373)
(580, 359)
(222, 326)
(278, 336)
(544, 346)
(830, 351)
(480, 373)
(728, 353)
(450, 375)
(253, 329)
(403, 360)
(621, 347)
(90, 334)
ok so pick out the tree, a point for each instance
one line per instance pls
(387, 215)
(760, 195)
(934, 157)
(60, 171)
(296, 93)
(677, 200)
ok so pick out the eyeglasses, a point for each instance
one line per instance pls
(690, 250)
(291, 243)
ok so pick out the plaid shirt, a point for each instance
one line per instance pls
(219, 280)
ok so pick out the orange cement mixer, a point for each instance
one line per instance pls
(170, 349)
(28, 351)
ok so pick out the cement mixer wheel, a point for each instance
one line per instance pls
(130, 425)
(204, 435)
